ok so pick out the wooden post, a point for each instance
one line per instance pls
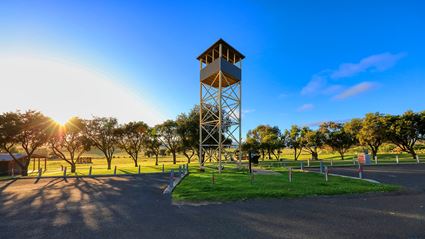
(39, 173)
(13, 172)
(321, 166)
(302, 165)
(308, 162)
(396, 159)
(33, 164)
(115, 170)
(376, 159)
(138, 170)
(163, 168)
(38, 163)
(90, 169)
(45, 164)
(64, 172)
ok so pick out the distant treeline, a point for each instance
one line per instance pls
(372, 131)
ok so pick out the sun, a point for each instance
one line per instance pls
(61, 120)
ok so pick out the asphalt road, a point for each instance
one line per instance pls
(134, 207)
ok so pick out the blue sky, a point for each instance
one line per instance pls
(306, 61)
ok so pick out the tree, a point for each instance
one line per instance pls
(372, 133)
(170, 138)
(312, 141)
(404, 131)
(294, 140)
(71, 139)
(188, 132)
(337, 137)
(132, 138)
(102, 133)
(153, 142)
(268, 138)
(29, 130)
(353, 127)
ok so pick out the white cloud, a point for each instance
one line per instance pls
(316, 84)
(355, 90)
(379, 62)
(62, 89)
(247, 111)
(305, 107)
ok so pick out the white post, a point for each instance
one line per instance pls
(308, 162)
(376, 159)
(326, 173)
(290, 174)
(332, 162)
(417, 159)
(396, 159)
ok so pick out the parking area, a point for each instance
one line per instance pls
(134, 207)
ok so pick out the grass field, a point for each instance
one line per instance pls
(240, 185)
(126, 166)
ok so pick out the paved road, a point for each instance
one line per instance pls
(133, 207)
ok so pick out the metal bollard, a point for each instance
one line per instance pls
(302, 166)
(396, 159)
(64, 172)
(115, 171)
(326, 173)
(321, 167)
(138, 171)
(290, 174)
(417, 159)
(90, 169)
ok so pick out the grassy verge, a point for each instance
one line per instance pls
(237, 185)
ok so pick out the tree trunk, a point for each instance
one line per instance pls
(174, 157)
(270, 157)
(156, 159)
(24, 171)
(73, 167)
(295, 154)
(342, 155)
(413, 153)
(135, 163)
(314, 155)
(109, 163)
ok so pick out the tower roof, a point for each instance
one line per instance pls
(225, 46)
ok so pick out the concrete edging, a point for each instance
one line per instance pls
(169, 189)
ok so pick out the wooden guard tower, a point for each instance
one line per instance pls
(220, 103)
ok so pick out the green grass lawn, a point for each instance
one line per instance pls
(126, 166)
(238, 185)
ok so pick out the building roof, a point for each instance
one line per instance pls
(225, 45)
(7, 157)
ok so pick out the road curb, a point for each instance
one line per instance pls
(344, 176)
